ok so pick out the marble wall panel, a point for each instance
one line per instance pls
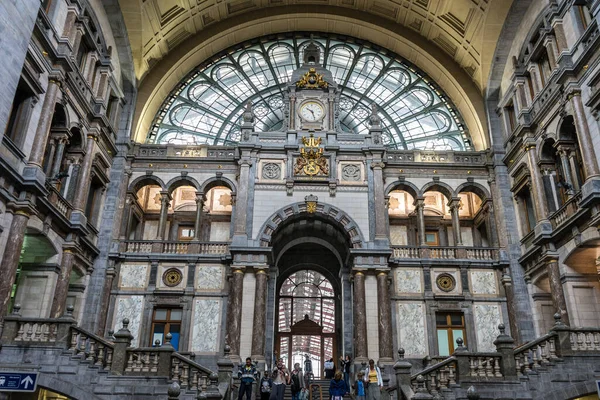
(398, 235)
(408, 281)
(483, 282)
(219, 231)
(209, 277)
(412, 335)
(371, 305)
(133, 276)
(206, 322)
(129, 307)
(487, 318)
(435, 273)
(165, 267)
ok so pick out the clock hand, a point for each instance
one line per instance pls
(311, 111)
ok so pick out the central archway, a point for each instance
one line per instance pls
(311, 254)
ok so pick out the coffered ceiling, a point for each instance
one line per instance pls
(465, 30)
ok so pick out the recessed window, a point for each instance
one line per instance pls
(449, 326)
(166, 320)
(432, 238)
(186, 233)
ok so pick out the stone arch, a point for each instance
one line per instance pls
(545, 150)
(441, 187)
(567, 129)
(179, 181)
(325, 211)
(217, 181)
(403, 185)
(318, 241)
(144, 180)
(53, 382)
(476, 188)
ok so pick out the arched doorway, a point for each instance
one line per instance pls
(306, 320)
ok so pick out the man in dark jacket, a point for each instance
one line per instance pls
(248, 375)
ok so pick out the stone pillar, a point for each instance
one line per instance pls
(536, 80)
(83, 183)
(105, 301)
(60, 149)
(242, 197)
(386, 346)
(537, 185)
(563, 152)
(574, 171)
(12, 253)
(62, 284)
(260, 303)
(378, 192)
(198, 223)
(130, 199)
(36, 156)
(234, 310)
(454, 205)
(586, 146)
(552, 51)
(360, 318)
(419, 206)
(165, 199)
(556, 289)
(292, 112)
(511, 304)
(50, 159)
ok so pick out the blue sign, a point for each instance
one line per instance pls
(18, 381)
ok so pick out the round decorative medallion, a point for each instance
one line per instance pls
(446, 282)
(172, 277)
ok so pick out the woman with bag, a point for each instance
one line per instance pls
(337, 387)
(297, 381)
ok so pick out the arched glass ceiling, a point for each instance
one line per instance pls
(207, 106)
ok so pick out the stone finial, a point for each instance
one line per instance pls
(70, 309)
(157, 343)
(558, 319)
(227, 350)
(192, 356)
(110, 333)
(174, 390)
(201, 394)
(16, 309)
(421, 384)
(459, 345)
(248, 115)
(472, 393)
(501, 328)
(125, 323)
(401, 353)
(168, 338)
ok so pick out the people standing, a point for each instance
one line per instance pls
(308, 372)
(359, 386)
(265, 386)
(345, 367)
(374, 381)
(248, 375)
(297, 382)
(329, 368)
(337, 387)
(281, 377)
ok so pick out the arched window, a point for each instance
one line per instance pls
(207, 106)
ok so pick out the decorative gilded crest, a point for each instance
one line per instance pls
(311, 203)
(311, 161)
(312, 80)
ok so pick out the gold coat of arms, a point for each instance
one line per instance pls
(311, 161)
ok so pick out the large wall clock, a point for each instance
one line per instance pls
(312, 111)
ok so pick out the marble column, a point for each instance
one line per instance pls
(511, 306)
(454, 205)
(586, 145)
(234, 311)
(574, 171)
(386, 346)
(360, 317)
(130, 198)
(60, 150)
(556, 290)
(165, 199)
(537, 185)
(419, 206)
(552, 51)
(83, 183)
(48, 168)
(260, 314)
(12, 254)
(105, 301)
(36, 156)
(199, 208)
(566, 166)
(491, 225)
(242, 196)
(378, 192)
(62, 284)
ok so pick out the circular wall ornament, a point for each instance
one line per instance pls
(445, 282)
(172, 277)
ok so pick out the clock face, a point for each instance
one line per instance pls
(311, 111)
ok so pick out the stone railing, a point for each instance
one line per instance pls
(533, 355)
(585, 339)
(438, 157)
(188, 374)
(91, 348)
(445, 253)
(436, 377)
(61, 204)
(169, 247)
(142, 361)
(566, 211)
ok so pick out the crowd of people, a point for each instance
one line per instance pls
(367, 385)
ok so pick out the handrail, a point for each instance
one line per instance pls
(529, 345)
(191, 363)
(563, 213)
(93, 336)
(434, 367)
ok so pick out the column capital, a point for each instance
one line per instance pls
(572, 92)
(164, 194)
(454, 202)
(377, 165)
(419, 202)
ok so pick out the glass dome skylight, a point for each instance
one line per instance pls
(206, 107)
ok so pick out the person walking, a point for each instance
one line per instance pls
(248, 375)
(374, 381)
(281, 377)
(266, 383)
(329, 368)
(359, 386)
(337, 387)
(297, 382)
(345, 367)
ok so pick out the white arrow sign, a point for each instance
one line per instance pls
(27, 381)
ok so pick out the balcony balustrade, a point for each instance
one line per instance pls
(171, 247)
(445, 253)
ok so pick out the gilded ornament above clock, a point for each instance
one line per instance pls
(312, 80)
